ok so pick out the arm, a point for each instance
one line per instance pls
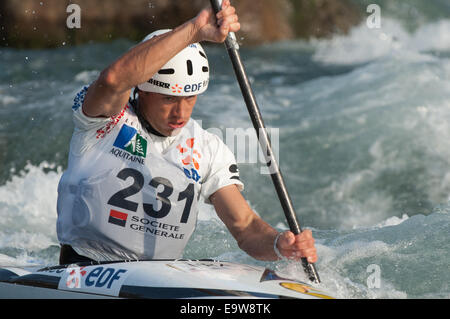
(254, 235)
(109, 93)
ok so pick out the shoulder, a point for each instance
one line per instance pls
(208, 140)
(84, 122)
(91, 131)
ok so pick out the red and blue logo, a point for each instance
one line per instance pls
(190, 159)
(117, 218)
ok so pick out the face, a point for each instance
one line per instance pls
(167, 114)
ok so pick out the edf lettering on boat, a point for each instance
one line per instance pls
(100, 277)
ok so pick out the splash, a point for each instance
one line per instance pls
(28, 210)
(363, 44)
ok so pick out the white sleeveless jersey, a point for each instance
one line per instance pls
(128, 194)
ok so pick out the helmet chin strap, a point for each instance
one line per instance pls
(135, 104)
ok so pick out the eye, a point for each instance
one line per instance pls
(191, 98)
(169, 99)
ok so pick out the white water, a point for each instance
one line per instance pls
(364, 44)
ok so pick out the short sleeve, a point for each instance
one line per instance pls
(81, 120)
(223, 169)
(90, 130)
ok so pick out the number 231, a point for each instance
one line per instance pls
(119, 199)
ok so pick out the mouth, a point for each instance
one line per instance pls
(176, 124)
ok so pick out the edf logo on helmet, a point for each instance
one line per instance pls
(189, 88)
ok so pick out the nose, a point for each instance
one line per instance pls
(181, 109)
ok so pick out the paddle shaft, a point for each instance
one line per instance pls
(263, 138)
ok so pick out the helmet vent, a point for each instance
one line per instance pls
(166, 71)
(190, 70)
(203, 54)
(205, 69)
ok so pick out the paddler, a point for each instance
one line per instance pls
(138, 164)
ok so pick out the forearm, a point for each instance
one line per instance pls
(140, 63)
(258, 239)
(253, 235)
(108, 94)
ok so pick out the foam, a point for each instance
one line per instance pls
(363, 44)
(7, 99)
(86, 77)
(28, 208)
(393, 221)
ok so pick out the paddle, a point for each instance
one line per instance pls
(255, 115)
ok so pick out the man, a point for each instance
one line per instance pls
(138, 166)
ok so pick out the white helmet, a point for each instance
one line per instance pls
(185, 74)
